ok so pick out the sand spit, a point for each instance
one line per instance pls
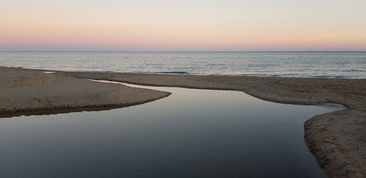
(31, 91)
(337, 139)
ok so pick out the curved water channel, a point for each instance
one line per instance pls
(191, 133)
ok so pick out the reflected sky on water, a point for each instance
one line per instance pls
(192, 133)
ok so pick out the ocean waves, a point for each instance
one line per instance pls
(349, 65)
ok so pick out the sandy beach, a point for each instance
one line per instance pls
(337, 139)
(28, 92)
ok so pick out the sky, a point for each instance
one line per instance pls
(182, 25)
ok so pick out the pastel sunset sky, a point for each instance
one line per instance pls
(183, 25)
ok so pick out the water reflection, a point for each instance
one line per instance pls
(192, 133)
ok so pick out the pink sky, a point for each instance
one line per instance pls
(173, 25)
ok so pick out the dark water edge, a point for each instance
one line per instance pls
(192, 133)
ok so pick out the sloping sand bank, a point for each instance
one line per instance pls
(23, 91)
(337, 139)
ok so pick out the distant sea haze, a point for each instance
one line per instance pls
(348, 65)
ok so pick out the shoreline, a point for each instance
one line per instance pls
(336, 139)
(25, 92)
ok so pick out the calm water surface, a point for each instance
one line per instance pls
(279, 64)
(192, 133)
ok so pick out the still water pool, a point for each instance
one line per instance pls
(191, 133)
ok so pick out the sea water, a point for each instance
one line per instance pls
(349, 65)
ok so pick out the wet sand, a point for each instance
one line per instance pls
(338, 139)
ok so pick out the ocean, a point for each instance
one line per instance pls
(347, 65)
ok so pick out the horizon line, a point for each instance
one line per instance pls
(182, 50)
